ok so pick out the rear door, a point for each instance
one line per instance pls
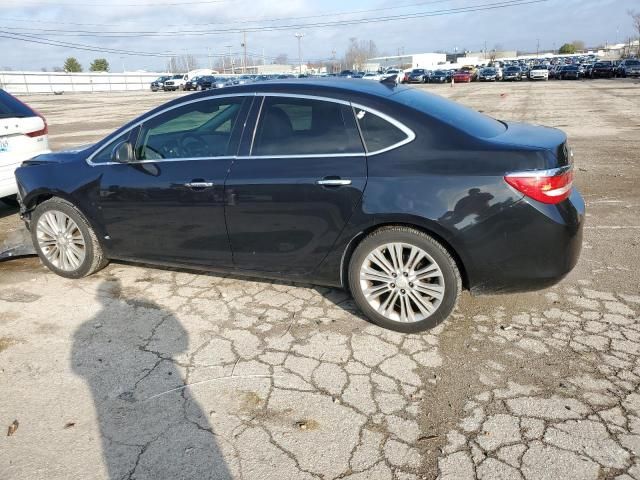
(294, 191)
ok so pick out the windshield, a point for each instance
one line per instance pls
(452, 113)
(635, 63)
(488, 71)
(420, 71)
(177, 76)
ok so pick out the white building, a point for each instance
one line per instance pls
(416, 60)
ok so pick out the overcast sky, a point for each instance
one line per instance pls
(519, 27)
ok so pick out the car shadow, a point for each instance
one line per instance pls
(7, 210)
(339, 297)
(150, 425)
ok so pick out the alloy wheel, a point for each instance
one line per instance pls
(61, 240)
(402, 282)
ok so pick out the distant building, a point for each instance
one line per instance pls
(496, 54)
(416, 60)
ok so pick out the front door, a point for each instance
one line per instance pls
(167, 205)
(290, 198)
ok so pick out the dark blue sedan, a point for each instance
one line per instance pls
(400, 196)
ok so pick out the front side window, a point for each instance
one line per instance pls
(302, 126)
(195, 130)
(104, 156)
(377, 132)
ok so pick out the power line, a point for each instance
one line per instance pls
(30, 38)
(30, 3)
(268, 28)
(241, 20)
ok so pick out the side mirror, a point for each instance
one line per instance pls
(122, 153)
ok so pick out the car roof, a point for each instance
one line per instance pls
(318, 87)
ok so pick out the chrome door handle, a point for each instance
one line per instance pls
(198, 184)
(334, 182)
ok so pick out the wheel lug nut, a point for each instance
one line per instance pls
(411, 285)
(405, 274)
(394, 275)
(402, 292)
(393, 285)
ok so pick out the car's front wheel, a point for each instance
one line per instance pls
(403, 279)
(64, 240)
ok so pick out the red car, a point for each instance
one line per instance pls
(462, 76)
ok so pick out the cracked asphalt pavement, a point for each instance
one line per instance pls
(140, 372)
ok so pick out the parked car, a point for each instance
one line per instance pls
(23, 135)
(372, 76)
(512, 73)
(191, 83)
(176, 82)
(569, 72)
(158, 83)
(473, 71)
(629, 67)
(379, 208)
(602, 70)
(439, 76)
(462, 76)
(539, 72)
(488, 75)
(347, 73)
(418, 75)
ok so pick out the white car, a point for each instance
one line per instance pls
(23, 135)
(539, 72)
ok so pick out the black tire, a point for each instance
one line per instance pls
(444, 260)
(10, 201)
(94, 259)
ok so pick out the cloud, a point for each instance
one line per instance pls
(552, 22)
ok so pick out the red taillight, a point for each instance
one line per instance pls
(42, 131)
(545, 186)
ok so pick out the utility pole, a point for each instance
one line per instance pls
(333, 61)
(244, 45)
(230, 57)
(299, 37)
(209, 56)
(538, 49)
(485, 49)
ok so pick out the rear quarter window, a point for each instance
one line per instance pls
(12, 107)
(452, 113)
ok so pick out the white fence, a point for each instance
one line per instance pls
(56, 82)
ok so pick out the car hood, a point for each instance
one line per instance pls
(61, 156)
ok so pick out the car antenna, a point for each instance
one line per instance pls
(391, 80)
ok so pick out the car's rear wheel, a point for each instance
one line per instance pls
(64, 240)
(403, 279)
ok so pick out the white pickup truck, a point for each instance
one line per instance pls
(176, 82)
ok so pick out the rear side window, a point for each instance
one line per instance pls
(12, 107)
(302, 126)
(378, 133)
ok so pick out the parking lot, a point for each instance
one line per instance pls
(141, 372)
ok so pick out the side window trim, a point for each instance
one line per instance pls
(410, 135)
(116, 134)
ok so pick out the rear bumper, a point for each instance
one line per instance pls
(529, 246)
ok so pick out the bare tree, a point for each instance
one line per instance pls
(578, 45)
(358, 52)
(635, 18)
(281, 59)
(182, 63)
